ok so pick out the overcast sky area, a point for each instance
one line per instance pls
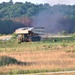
(51, 2)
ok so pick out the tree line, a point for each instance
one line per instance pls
(19, 9)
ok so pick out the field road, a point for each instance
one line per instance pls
(55, 36)
(54, 73)
(7, 37)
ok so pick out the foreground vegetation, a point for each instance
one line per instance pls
(48, 55)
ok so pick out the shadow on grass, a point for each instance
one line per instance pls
(5, 60)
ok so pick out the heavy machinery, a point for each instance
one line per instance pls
(28, 34)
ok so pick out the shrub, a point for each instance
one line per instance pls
(5, 60)
(14, 36)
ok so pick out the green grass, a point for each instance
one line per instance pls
(48, 42)
(33, 71)
(63, 39)
(13, 72)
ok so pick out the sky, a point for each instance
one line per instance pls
(51, 2)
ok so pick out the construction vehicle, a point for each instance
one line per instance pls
(28, 34)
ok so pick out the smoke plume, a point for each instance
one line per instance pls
(50, 21)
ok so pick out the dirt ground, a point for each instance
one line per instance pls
(5, 37)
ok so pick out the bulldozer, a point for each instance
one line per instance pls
(29, 34)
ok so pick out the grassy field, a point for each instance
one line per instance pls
(49, 55)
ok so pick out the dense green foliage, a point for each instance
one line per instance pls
(19, 9)
(9, 10)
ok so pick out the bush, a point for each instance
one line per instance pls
(5, 60)
(73, 35)
(14, 36)
(64, 45)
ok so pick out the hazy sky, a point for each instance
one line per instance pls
(51, 2)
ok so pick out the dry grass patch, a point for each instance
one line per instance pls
(44, 60)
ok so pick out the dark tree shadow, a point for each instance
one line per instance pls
(5, 60)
